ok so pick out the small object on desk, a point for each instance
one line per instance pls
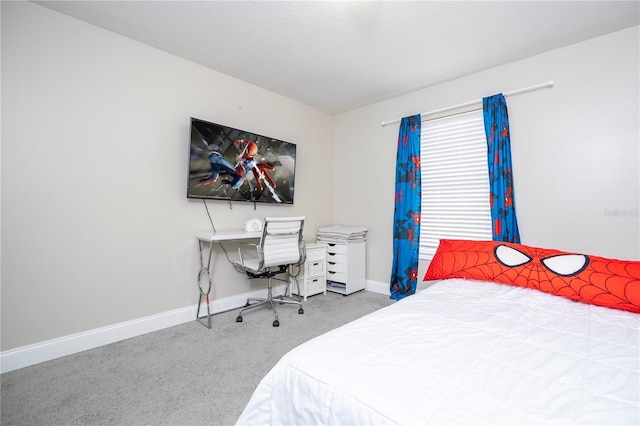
(253, 225)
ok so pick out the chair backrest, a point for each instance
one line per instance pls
(282, 242)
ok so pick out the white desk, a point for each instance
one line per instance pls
(206, 240)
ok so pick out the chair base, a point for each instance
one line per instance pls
(268, 301)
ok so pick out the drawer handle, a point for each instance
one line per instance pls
(331, 263)
(331, 272)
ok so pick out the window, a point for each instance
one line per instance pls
(455, 181)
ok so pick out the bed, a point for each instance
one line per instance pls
(463, 351)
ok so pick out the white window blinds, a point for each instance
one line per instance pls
(455, 181)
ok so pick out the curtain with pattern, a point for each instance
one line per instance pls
(406, 219)
(503, 205)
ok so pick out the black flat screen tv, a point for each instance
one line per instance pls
(236, 165)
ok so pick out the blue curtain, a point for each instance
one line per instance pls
(406, 218)
(503, 205)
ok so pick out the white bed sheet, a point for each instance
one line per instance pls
(462, 352)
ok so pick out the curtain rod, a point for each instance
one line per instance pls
(513, 92)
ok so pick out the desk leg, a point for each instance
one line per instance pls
(205, 288)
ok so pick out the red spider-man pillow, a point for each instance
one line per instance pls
(590, 279)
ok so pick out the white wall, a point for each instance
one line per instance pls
(574, 149)
(96, 227)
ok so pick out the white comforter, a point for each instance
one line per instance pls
(462, 352)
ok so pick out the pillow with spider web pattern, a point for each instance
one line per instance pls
(590, 279)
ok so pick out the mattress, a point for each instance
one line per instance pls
(462, 352)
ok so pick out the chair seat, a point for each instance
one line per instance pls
(250, 265)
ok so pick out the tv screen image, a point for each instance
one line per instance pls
(236, 165)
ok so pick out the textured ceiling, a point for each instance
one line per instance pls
(341, 55)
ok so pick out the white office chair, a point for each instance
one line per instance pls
(280, 247)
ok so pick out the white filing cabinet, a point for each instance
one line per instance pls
(313, 274)
(346, 267)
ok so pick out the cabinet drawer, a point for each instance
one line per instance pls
(336, 258)
(315, 268)
(315, 254)
(337, 267)
(316, 285)
(336, 276)
(313, 286)
(337, 248)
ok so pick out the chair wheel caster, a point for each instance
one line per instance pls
(276, 323)
(301, 311)
(238, 318)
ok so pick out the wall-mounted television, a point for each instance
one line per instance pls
(236, 165)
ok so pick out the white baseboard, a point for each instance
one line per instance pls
(378, 287)
(51, 349)
(45, 351)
